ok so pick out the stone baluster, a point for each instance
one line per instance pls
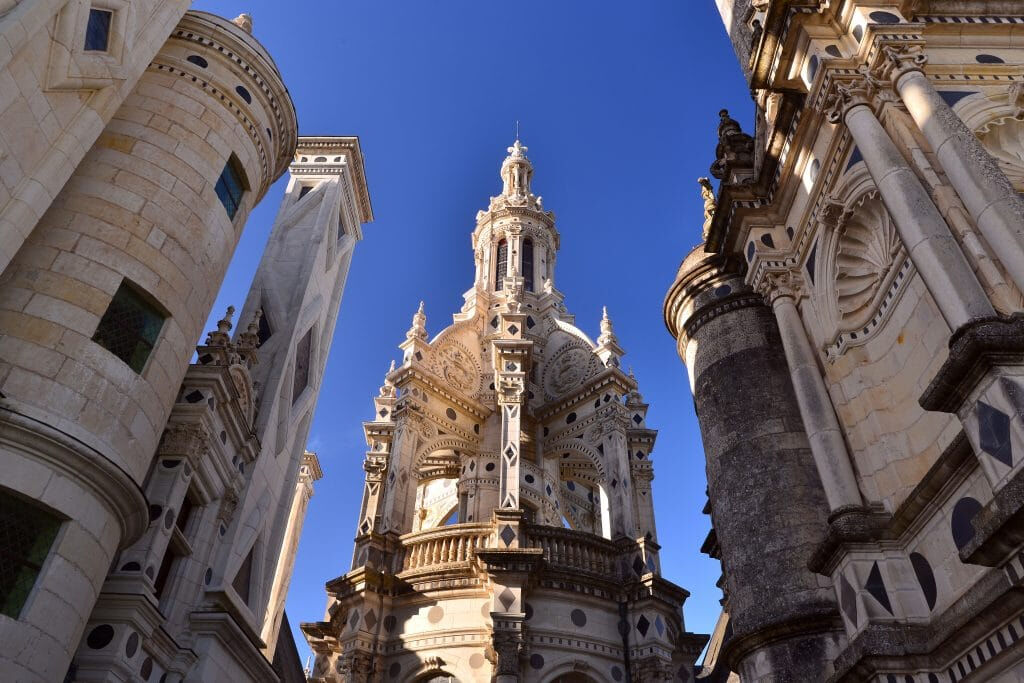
(925, 234)
(820, 422)
(987, 193)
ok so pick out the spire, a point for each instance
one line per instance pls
(419, 325)
(516, 172)
(607, 331)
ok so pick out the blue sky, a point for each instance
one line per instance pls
(618, 103)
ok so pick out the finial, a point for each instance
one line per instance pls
(419, 325)
(224, 324)
(518, 150)
(388, 389)
(254, 324)
(607, 330)
(391, 368)
(243, 21)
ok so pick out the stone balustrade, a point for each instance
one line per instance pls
(566, 549)
(443, 547)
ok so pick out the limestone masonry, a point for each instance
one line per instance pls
(507, 527)
(150, 506)
(852, 327)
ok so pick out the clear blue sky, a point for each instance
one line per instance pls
(618, 103)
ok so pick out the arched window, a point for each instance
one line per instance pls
(502, 266)
(528, 264)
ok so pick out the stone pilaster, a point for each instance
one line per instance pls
(985, 190)
(925, 234)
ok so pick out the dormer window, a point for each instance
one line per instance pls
(502, 265)
(528, 263)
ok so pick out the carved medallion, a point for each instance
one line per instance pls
(567, 370)
(457, 366)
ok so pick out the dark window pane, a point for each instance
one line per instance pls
(160, 582)
(528, 264)
(302, 353)
(129, 328)
(26, 534)
(97, 31)
(263, 331)
(502, 265)
(229, 188)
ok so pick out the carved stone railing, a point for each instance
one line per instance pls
(574, 550)
(438, 549)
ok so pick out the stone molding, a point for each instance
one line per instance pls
(87, 466)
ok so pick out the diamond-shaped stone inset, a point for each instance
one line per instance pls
(507, 598)
(994, 433)
(508, 535)
(370, 619)
(876, 587)
(848, 599)
(513, 330)
(642, 625)
(637, 418)
(638, 566)
(353, 621)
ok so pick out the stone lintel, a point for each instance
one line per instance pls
(508, 562)
(974, 349)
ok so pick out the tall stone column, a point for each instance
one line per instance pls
(987, 193)
(819, 417)
(309, 473)
(925, 234)
(622, 521)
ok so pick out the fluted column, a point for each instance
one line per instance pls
(985, 190)
(828, 447)
(925, 234)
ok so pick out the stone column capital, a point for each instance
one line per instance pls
(780, 285)
(869, 88)
(900, 60)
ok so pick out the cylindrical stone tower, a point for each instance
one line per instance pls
(102, 307)
(767, 503)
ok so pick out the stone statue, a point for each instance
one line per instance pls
(707, 193)
(735, 150)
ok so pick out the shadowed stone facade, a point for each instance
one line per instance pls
(150, 504)
(860, 279)
(507, 527)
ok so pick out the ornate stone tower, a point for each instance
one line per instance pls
(507, 526)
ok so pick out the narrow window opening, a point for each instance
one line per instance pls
(304, 190)
(528, 264)
(243, 579)
(263, 330)
(129, 328)
(97, 30)
(27, 533)
(230, 187)
(502, 265)
(164, 573)
(188, 508)
(302, 357)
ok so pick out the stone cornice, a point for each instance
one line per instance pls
(348, 146)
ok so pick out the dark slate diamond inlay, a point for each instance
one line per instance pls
(353, 621)
(370, 619)
(494, 321)
(508, 535)
(507, 598)
(512, 329)
(994, 433)
(642, 625)
(529, 323)
(638, 566)
(876, 587)
(848, 599)
(637, 419)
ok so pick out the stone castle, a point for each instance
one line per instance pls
(507, 527)
(151, 491)
(852, 328)
(851, 323)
